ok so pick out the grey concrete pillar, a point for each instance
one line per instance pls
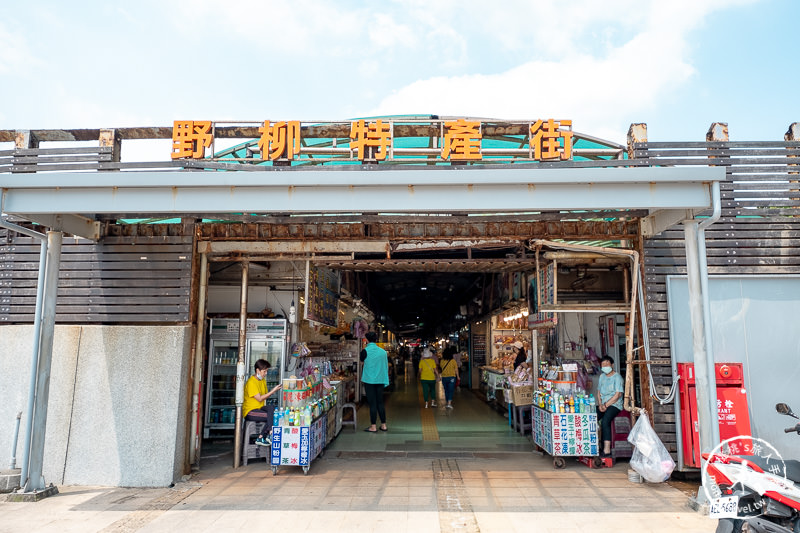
(240, 366)
(35, 481)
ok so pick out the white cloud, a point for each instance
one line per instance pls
(601, 85)
(296, 27)
(386, 32)
(15, 54)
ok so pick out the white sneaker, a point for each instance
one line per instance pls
(449, 406)
(426, 405)
(433, 404)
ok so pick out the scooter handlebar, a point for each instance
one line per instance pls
(792, 430)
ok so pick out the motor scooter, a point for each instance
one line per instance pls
(757, 493)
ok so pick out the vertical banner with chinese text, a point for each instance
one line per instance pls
(322, 295)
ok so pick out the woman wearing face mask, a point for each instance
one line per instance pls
(610, 388)
(255, 393)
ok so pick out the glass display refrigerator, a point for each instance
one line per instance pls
(265, 339)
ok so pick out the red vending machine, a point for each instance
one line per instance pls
(734, 417)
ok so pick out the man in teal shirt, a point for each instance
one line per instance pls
(375, 376)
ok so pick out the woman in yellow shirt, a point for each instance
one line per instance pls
(449, 372)
(428, 374)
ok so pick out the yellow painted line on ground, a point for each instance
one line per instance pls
(429, 431)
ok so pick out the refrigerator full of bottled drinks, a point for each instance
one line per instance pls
(265, 339)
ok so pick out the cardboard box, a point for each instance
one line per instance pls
(522, 395)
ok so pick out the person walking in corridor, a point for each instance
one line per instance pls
(375, 377)
(428, 375)
(449, 371)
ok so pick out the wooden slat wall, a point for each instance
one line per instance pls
(54, 159)
(758, 233)
(119, 281)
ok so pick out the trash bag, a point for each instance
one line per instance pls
(650, 458)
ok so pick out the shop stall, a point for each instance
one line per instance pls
(345, 364)
(506, 329)
(309, 418)
(565, 434)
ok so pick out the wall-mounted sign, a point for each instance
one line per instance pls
(322, 295)
(380, 140)
(542, 291)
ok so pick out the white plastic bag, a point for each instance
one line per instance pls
(650, 458)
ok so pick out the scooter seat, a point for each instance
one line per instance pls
(792, 466)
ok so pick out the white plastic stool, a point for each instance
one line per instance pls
(352, 422)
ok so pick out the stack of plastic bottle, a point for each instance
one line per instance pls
(556, 402)
(304, 416)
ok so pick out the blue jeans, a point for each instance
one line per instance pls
(449, 387)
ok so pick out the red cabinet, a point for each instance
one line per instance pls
(734, 418)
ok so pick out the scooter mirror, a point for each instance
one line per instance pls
(784, 409)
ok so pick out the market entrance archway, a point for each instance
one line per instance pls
(82, 202)
(427, 291)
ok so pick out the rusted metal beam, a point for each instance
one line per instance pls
(511, 231)
(260, 247)
(432, 265)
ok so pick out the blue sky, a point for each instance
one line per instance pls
(677, 65)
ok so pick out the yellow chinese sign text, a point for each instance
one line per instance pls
(462, 140)
(280, 139)
(376, 134)
(546, 139)
(190, 138)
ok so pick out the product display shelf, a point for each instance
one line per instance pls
(492, 381)
(300, 445)
(565, 435)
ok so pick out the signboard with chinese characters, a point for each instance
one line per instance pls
(542, 291)
(298, 445)
(573, 434)
(458, 140)
(322, 295)
(291, 446)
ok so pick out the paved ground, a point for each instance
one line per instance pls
(519, 492)
(458, 470)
